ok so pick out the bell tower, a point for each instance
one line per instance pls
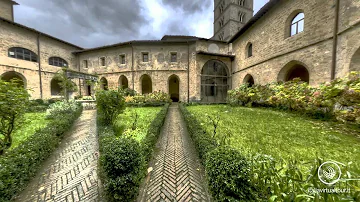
(230, 16)
(7, 10)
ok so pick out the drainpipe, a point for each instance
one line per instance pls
(188, 74)
(39, 63)
(335, 40)
(132, 66)
(78, 64)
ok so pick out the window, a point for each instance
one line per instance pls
(241, 2)
(23, 54)
(85, 64)
(173, 57)
(250, 50)
(221, 36)
(59, 62)
(122, 59)
(221, 8)
(221, 22)
(241, 16)
(297, 24)
(145, 57)
(102, 61)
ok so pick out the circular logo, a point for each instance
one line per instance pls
(329, 173)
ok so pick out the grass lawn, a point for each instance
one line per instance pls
(282, 135)
(126, 121)
(33, 121)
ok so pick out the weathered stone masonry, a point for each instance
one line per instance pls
(258, 49)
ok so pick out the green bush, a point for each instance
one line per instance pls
(61, 108)
(228, 173)
(339, 98)
(19, 165)
(153, 133)
(110, 104)
(157, 98)
(121, 161)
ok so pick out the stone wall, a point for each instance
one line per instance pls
(6, 10)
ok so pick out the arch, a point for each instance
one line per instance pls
(22, 54)
(249, 50)
(55, 87)
(146, 84)
(123, 82)
(295, 21)
(214, 82)
(292, 70)
(57, 61)
(17, 77)
(249, 79)
(355, 61)
(174, 87)
(104, 84)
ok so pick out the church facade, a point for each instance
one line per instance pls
(316, 41)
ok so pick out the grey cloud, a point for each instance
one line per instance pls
(189, 6)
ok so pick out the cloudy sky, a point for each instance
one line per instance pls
(92, 23)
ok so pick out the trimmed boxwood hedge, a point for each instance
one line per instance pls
(227, 170)
(123, 160)
(19, 165)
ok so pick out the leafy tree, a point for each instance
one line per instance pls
(65, 83)
(14, 101)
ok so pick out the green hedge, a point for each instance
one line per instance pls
(123, 160)
(222, 165)
(19, 165)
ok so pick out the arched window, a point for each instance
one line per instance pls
(249, 50)
(23, 54)
(249, 79)
(123, 82)
(59, 62)
(146, 84)
(241, 16)
(297, 24)
(104, 84)
(14, 76)
(241, 2)
(292, 70)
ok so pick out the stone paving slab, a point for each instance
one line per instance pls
(70, 174)
(177, 174)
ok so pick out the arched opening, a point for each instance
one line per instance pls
(88, 90)
(14, 76)
(294, 70)
(174, 88)
(295, 23)
(214, 82)
(55, 87)
(104, 84)
(355, 61)
(146, 84)
(249, 80)
(123, 82)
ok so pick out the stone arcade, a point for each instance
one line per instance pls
(314, 40)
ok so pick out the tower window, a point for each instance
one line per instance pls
(241, 16)
(297, 24)
(145, 57)
(241, 2)
(249, 50)
(102, 61)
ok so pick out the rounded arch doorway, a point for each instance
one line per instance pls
(214, 82)
(174, 88)
(15, 77)
(292, 70)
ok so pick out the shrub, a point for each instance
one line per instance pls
(61, 108)
(153, 133)
(122, 163)
(109, 104)
(157, 98)
(339, 98)
(19, 165)
(203, 141)
(228, 173)
(13, 103)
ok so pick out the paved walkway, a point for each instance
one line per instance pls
(70, 174)
(177, 174)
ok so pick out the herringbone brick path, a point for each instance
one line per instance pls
(177, 174)
(70, 174)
